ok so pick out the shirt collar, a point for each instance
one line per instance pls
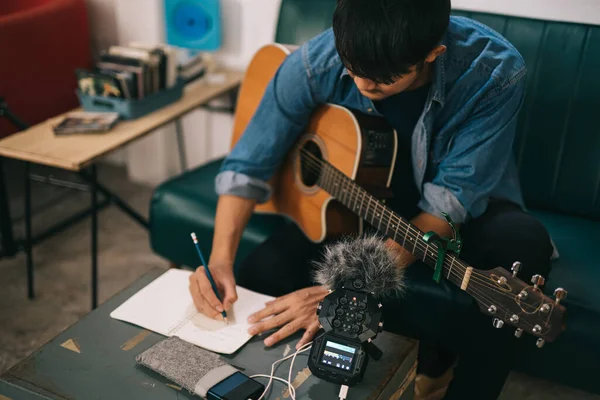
(438, 83)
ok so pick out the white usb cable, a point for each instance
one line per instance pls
(343, 392)
(291, 388)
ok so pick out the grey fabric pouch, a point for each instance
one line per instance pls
(189, 366)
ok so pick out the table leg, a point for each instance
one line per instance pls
(9, 246)
(181, 145)
(94, 192)
(115, 200)
(28, 239)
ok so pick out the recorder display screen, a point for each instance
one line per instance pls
(338, 355)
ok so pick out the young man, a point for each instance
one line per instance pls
(452, 89)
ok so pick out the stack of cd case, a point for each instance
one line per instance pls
(131, 80)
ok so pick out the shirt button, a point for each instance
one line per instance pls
(369, 109)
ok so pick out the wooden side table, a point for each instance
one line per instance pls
(95, 359)
(78, 153)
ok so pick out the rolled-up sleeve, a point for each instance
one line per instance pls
(281, 116)
(478, 157)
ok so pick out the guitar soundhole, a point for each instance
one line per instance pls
(310, 163)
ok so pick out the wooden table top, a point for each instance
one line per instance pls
(40, 145)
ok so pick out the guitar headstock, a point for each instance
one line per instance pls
(511, 301)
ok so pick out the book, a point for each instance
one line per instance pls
(146, 56)
(85, 122)
(137, 78)
(165, 306)
(168, 64)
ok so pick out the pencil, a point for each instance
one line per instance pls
(208, 274)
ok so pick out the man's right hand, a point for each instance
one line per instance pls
(201, 290)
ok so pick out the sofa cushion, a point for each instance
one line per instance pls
(578, 268)
(187, 203)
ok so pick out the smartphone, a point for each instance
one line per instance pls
(236, 387)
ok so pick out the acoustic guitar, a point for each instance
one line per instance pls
(333, 179)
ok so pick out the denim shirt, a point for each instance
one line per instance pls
(461, 145)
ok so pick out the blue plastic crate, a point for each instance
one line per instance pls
(132, 108)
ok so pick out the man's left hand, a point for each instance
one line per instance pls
(294, 311)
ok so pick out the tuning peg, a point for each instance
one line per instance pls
(516, 267)
(540, 343)
(522, 295)
(560, 294)
(545, 308)
(537, 329)
(519, 332)
(537, 280)
(498, 323)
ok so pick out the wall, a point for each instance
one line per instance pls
(582, 11)
(248, 24)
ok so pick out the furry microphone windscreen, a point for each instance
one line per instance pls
(365, 258)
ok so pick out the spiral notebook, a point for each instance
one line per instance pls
(165, 306)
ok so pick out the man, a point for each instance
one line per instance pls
(452, 89)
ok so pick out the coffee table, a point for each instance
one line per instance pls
(95, 359)
(79, 153)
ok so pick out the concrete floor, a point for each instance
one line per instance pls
(62, 265)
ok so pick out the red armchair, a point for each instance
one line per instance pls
(42, 42)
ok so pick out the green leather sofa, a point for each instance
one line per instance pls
(558, 150)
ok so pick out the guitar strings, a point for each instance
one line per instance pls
(392, 217)
(315, 162)
(417, 244)
(475, 280)
(472, 289)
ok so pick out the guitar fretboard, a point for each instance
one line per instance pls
(385, 220)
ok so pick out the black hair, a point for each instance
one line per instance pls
(381, 40)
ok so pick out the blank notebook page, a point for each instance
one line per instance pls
(165, 306)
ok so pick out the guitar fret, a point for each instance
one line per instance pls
(380, 219)
(451, 265)
(361, 205)
(387, 229)
(341, 185)
(323, 178)
(414, 241)
(396, 226)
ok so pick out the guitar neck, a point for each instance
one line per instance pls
(369, 208)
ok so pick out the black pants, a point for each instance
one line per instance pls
(449, 328)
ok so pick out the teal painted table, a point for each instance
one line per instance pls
(95, 359)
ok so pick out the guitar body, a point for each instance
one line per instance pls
(361, 147)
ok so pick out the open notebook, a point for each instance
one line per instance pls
(165, 306)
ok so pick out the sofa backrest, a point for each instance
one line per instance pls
(558, 139)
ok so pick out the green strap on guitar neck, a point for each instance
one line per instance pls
(444, 245)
